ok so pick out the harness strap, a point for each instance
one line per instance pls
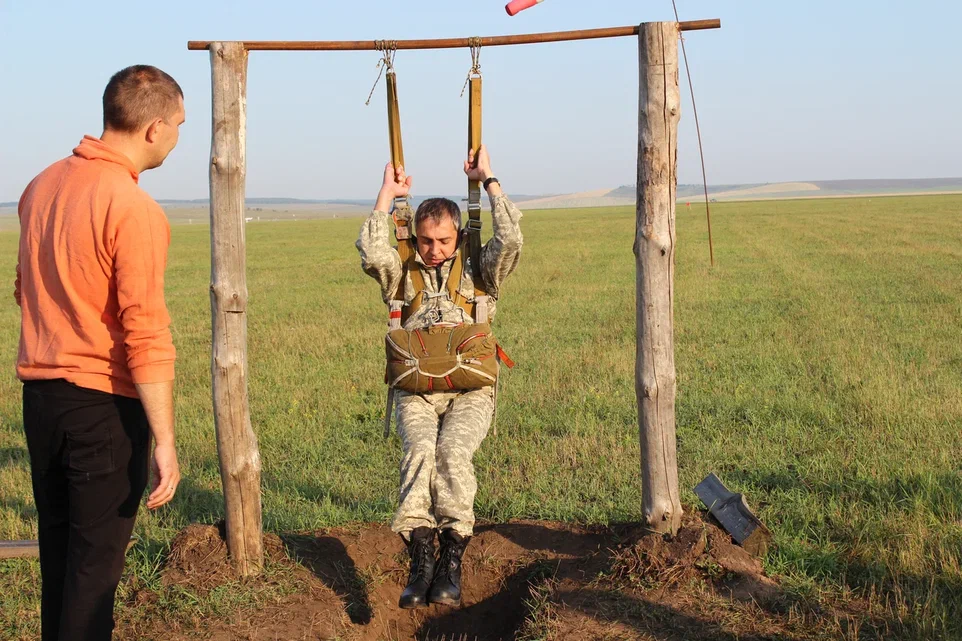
(473, 227)
(454, 282)
(403, 215)
(410, 268)
(453, 285)
(394, 120)
(389, 412)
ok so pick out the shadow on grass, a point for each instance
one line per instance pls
(18, 457)
(25, 509)
(928, 599)
(655, 620)
(14, 457)
(193, 503)
(943, 492)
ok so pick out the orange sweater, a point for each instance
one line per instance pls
(90, 275)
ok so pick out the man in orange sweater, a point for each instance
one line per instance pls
(96, 356)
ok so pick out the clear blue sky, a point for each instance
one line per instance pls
(786, 91)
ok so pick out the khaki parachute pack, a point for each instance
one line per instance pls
(437, 359)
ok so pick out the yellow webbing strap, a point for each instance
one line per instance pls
(394, 121)
(403, 215)
(473, 228)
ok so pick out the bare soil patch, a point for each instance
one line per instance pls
(523, 580)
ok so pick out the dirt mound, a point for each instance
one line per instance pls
(198, 563)
(198, 559)
(523, 580)
(700, 550)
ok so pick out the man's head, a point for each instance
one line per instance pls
(437, 223)
(145, 107)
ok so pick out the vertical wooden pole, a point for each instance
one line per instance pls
(240, 463)
(658, 114)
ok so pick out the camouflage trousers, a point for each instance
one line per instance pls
(440, 432)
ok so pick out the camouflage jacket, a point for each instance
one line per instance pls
(499, 257)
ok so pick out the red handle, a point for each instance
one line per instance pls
(515, 6)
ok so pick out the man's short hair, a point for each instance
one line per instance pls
(437, 209)
(137, 95)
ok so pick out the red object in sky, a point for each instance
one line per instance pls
(515, 6)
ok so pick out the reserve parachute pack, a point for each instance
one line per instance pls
(442, 357)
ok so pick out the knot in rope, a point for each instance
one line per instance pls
(388, 49)
(474, 44)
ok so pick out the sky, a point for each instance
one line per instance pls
(813, 90)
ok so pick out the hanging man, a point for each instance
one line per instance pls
(96, 356)
(440, 430)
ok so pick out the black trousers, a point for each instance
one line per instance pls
(88, 459)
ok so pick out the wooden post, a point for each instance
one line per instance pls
(658, 114)
(240, 463)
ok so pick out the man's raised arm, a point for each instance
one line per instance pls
(379, 259)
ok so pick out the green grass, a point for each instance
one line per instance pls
(819, 371)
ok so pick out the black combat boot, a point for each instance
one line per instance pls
(446, 587)
(421, 549)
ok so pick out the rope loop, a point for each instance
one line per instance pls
(474, 44)
(388, 49)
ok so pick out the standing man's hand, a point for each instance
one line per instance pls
(396, 184)
(158, 401)
(164, 475)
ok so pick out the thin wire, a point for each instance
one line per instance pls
(701, 152)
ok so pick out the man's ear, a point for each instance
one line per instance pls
(153, 130)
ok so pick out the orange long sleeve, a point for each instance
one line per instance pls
(90, 284)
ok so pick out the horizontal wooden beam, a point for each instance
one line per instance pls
(19, 549)
(30, 549)
(450, 43)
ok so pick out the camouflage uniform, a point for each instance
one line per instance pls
(441, 431)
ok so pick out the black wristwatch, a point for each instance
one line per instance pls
(490, 180)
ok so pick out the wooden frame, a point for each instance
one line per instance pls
(654, 250)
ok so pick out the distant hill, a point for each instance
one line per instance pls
(896, 184)
(804, 189)
(684, 190)
(625, 195)
(204, 202)
(597, 198)
(274, 202)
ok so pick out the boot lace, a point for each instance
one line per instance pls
(421, 557)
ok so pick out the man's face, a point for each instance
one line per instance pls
(436, 242)
(165, 134)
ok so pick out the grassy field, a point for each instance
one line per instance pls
(819, 371)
